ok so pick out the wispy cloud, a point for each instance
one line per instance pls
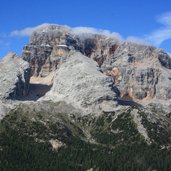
(75, 30)
(27, 31)
(165, 19)
(83, 32)
(158, 36)
(91, 30)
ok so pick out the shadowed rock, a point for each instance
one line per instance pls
(14, 77)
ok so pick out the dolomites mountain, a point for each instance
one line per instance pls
(49, 44)
(85, 101)
(93, 72)
(141, 73)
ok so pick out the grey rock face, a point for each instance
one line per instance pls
(79, 82)
(165, 60)
(140, 72)
(49, 44)
(45, 50)
(5, 107)
(37, 57)
(14, 77)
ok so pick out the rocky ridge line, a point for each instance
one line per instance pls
(141, 73)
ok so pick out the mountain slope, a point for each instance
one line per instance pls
(115, 141)
(85, 101)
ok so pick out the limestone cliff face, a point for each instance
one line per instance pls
(48, 45)
(79, 82)
(81, 91)
(14, 77)
(140, 72)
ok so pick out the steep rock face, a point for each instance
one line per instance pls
(140, 72)
(164, 59)
(14, 77)
(49, 44)
(81, 110)
(80, 82)
(37, 57)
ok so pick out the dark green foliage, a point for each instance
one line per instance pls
(158, 134)
(124, 130)
(20, 152)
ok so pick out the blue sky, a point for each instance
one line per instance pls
(141, 21)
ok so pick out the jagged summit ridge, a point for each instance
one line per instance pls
(48, 45)
(140, 72)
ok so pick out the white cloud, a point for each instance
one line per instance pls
(27, 31)
(156, 38)
(165, 19)
(164, 33)
(91, 30)
(76, 30)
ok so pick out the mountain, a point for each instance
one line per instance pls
(85, 101)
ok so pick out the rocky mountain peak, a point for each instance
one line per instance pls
(86, 97)
(50, 43)
(14, 76)
(140, 72)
